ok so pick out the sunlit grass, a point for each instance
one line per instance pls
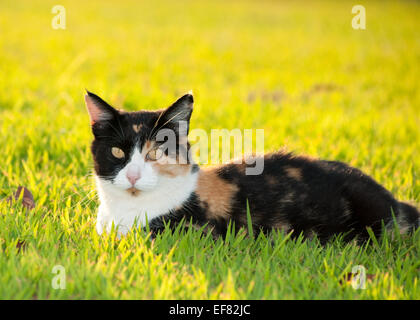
(296, 69)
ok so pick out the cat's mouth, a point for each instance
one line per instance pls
(133, 191)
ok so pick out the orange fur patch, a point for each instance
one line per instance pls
(216, 192)
(133, 191)
(148, 145)
(172, 170)
(165, 165)
(272, 181)
(283, 226)
(294, 173)
(137, 127)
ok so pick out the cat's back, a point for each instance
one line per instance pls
(295, 192)
(288, 187)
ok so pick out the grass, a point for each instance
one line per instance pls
(298, 70)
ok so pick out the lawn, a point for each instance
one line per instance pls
(296, 69)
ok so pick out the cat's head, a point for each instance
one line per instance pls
(133, 151)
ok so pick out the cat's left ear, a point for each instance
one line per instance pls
(98, 109)
(177, 116)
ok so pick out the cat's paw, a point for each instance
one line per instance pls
(99, 227)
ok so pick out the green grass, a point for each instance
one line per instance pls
(298, 70)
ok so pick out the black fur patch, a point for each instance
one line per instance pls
(328, 198)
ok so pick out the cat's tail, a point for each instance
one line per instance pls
(408, 217)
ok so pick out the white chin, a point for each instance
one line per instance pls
(145, 187)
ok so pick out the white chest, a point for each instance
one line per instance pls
(124, 210)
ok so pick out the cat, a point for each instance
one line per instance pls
(294, 193)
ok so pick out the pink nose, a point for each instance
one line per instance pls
(133, 174)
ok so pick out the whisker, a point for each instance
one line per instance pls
(157, 131)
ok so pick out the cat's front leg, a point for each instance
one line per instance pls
(101, 220)
(99, 227)
(105, 222)
(107, 225)
(158, 224)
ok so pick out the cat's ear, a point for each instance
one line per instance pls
(178, 115)
(98, 109)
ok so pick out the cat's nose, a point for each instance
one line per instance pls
(133, 174)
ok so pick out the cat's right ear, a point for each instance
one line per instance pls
(98, 109)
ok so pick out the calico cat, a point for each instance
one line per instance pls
(293, 192)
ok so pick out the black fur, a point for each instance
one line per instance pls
(329, 198)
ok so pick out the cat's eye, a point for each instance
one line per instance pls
(117, 153)
(154, 154)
